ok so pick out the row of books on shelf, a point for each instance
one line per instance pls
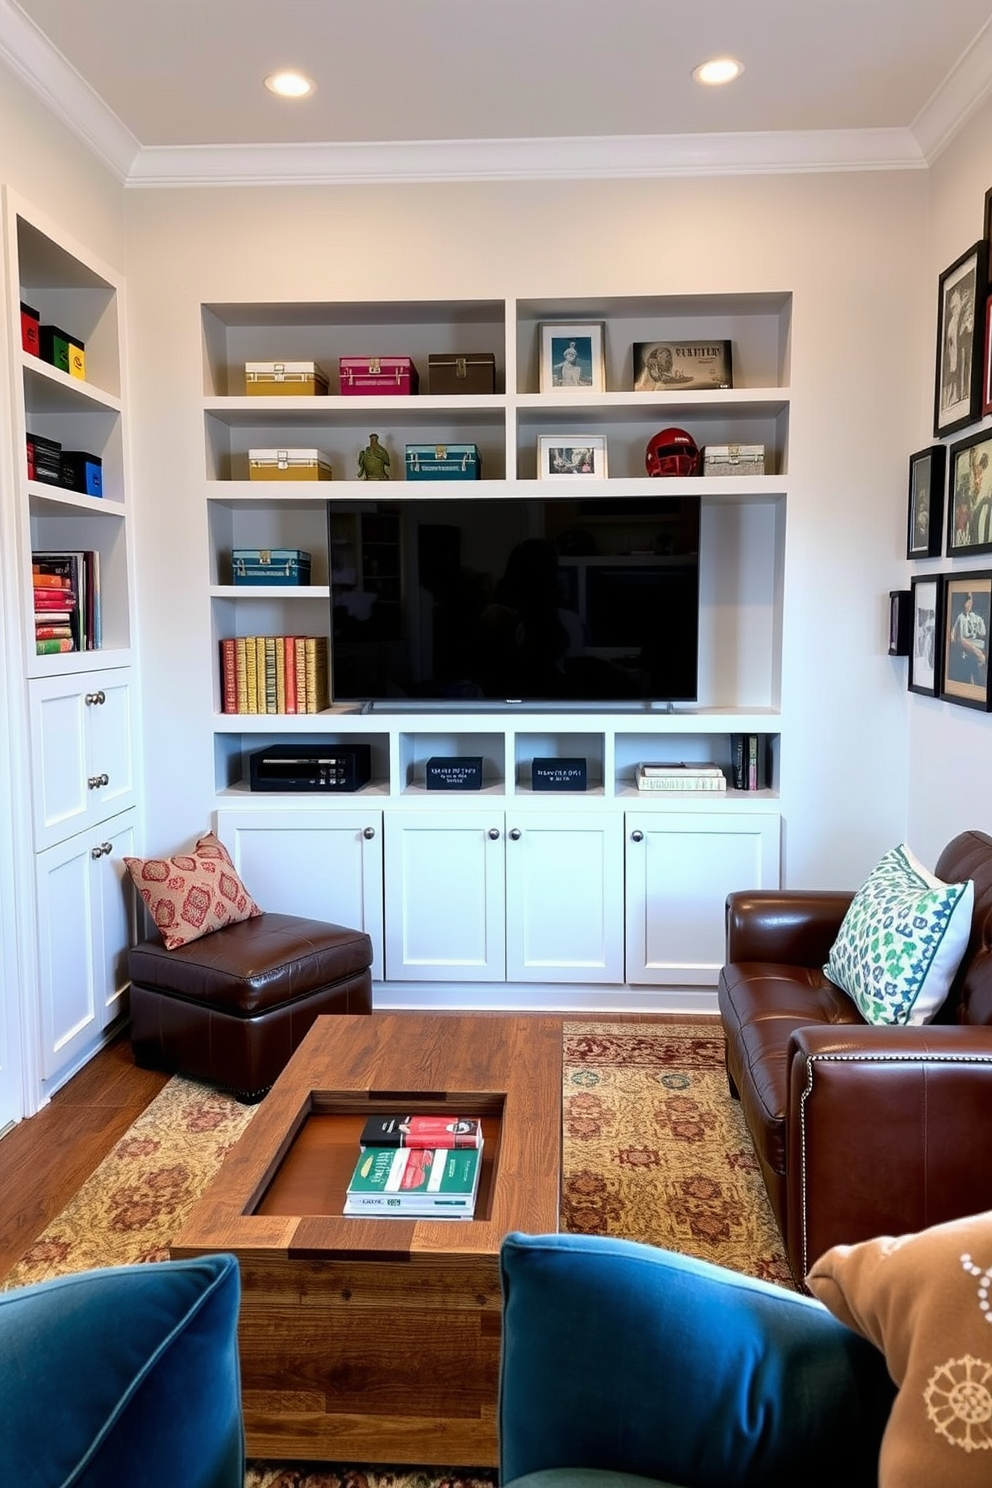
(417, 1167)
(749, 769)
(66, 594)
(274, 674)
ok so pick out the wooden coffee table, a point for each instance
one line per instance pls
(377, 1340)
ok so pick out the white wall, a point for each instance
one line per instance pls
(847, 246)
(950, 747)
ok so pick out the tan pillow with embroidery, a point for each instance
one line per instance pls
(925, 1300)
(192, 893)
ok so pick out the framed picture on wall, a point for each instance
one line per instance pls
(987, 360)
(958, 378)
(969, 496)
(572, 356)
(924, 645)
(925, 525)
(967, 605)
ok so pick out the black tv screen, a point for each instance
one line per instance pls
(472, 598)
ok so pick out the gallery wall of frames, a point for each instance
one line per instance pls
(949, 512)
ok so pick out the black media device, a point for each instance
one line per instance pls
(310, 767)
(469, 599)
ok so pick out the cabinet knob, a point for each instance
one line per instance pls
(637, 836)
(368, 833)
(514, 834)
(102, 850)
(494, 834)
(95, 781)
(95, 697)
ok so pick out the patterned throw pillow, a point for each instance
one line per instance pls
(925, 1300)
(192, 893)
(901, 941)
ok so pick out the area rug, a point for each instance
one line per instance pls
(654, 1150)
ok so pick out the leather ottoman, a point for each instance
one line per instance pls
(231, 1007)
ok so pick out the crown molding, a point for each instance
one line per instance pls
(28, 54)
(628, 156)
(964, 90)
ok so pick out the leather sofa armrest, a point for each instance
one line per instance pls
(794, 926)
(887, 1132)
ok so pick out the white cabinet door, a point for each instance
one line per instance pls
(86, 922)
(680, 869)
(564, 897)
(444, 896)
(324, 864)
(81, 731)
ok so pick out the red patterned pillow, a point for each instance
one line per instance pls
(192, 893)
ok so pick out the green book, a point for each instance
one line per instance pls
(412, 1182)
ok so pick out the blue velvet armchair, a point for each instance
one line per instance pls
(125, 1376)
(622, 1363)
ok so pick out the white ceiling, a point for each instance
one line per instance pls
(167, 90)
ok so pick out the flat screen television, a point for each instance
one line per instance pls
(484, 599)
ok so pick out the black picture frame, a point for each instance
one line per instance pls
(964, 664)
(987, 360)
(925, 650)
(969, 496)
(961, 295)
(925, 515)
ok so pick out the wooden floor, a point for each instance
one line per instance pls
(44, 1159)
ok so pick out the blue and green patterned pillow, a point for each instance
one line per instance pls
(901, 941)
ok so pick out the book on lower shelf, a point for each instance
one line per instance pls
(415, 1183)
(66, 597)
(749, 761)
(274, 674)
(422, 1131)
(680, 776)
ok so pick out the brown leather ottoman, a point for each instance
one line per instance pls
(232, 1006)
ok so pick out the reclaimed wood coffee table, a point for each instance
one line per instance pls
(377, 1340)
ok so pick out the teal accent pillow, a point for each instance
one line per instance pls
(901, 941)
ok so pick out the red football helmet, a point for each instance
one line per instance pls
(672, 452)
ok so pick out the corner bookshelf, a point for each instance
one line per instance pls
(81, 712)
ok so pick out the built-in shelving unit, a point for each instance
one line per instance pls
(734, 834)
(80, 704)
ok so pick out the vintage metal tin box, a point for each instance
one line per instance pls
(288, 464)
(370, 376)
(285, 379)
(734, 459)
(453, 373)
(443, 462)
(277, 566)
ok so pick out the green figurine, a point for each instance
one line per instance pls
(373, 461)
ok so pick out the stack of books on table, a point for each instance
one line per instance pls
(417, 1167)
(681, 776)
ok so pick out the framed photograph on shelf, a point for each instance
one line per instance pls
(572, 356)
(969, 496)
(925, 529)
(673, 366)
(570, 455)
(924, 645)
(960, 304)
(967, 602)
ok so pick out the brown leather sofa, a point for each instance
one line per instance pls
(859, 1131)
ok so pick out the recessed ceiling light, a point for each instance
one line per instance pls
(719, 70)
(290, 84)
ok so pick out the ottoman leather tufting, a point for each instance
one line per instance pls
(232, 1006)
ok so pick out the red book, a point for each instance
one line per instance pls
(228, 677)
(430, 1132)
(53, 599)
(289, 669)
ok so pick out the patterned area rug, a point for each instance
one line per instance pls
(654, 1150)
